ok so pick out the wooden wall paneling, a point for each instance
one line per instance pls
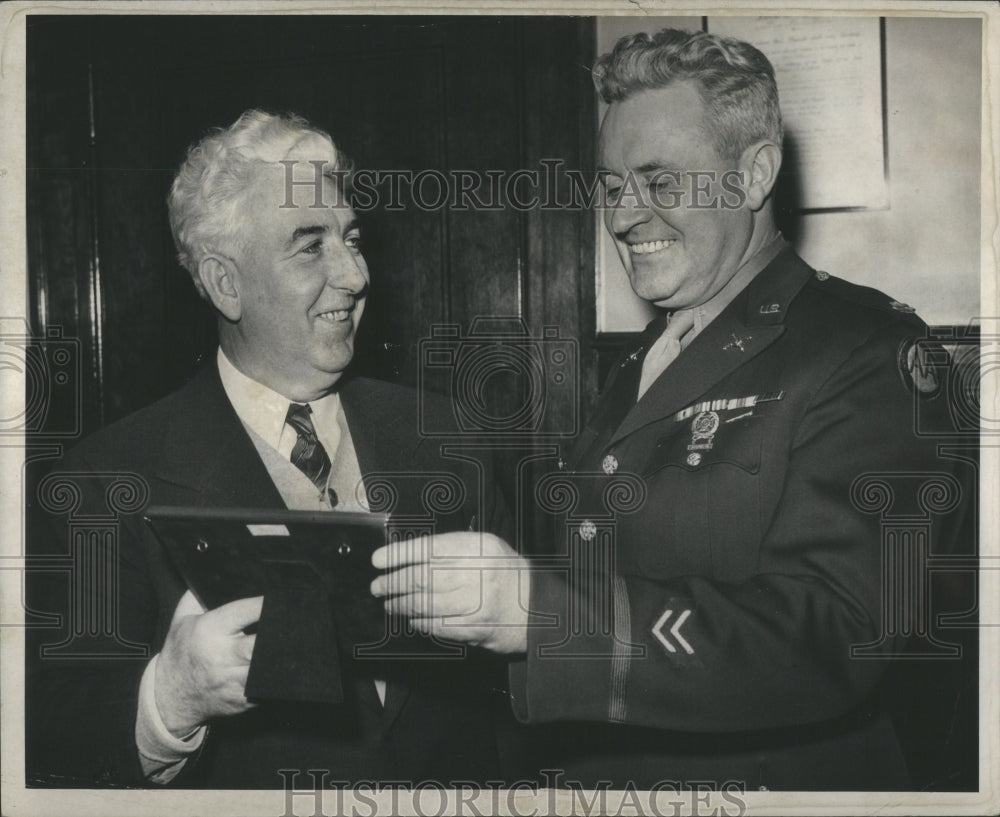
(141, 346)
(62, 283)
(558, 102)
(559, 128)
(485, 122)
(63, 260)
(403, 129)
(586, 43)
(484, 132)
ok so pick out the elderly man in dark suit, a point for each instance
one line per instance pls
(719, 616)
(272, 422)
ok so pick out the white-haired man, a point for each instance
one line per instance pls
(271, 423)
(721, 622)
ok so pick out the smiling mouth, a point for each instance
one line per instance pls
(335, 315)
(647, 247)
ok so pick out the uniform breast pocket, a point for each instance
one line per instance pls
(706, 490)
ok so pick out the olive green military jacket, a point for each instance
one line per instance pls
(714, 608)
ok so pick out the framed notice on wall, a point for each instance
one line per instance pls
(830, 83)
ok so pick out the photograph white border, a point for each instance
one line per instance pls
(17, 800)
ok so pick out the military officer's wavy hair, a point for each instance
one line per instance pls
(205, 198)
(735, 80)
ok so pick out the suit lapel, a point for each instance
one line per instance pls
(205, 448)
(747, 326)
(382, 443)
(383, 439)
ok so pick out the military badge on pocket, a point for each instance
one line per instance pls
(703, 429)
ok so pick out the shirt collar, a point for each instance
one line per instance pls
(264, 410)
(707, 312)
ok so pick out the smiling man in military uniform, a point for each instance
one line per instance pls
(719, 646)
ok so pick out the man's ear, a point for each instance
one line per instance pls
(217, 274)
(761, 161)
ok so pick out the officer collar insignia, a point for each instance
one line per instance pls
(632, 358)
(738, 342)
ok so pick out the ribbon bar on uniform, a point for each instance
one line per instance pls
(727, 404)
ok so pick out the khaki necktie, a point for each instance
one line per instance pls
(666, 347)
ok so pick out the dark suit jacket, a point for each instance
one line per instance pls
(440, 718)
(746, 550)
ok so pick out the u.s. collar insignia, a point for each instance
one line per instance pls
(703, 429)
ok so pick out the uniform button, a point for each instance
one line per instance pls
(694, 458)
(588, 530)
(610, 464)
(822, 275)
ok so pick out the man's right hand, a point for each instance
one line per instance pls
(202, 669)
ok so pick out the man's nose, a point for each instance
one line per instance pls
(627, 212)
(347, 270)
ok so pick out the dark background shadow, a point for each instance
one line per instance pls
(788, 193)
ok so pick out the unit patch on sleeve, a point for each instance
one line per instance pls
(919, 366)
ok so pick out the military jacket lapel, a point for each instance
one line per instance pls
(624, 380)
(618, 395)
(751, 323)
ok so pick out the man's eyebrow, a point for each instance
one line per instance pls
(314, 229)
(657, 166)
(353, 224)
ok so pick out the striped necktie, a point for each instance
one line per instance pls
(308, 454)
